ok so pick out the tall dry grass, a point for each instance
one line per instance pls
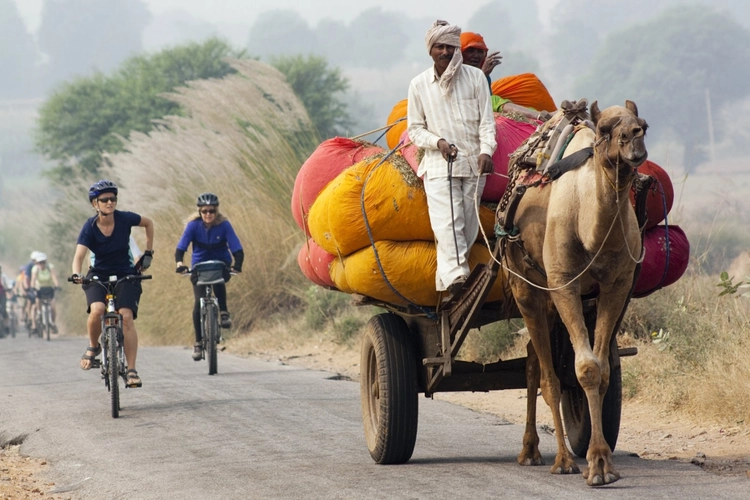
(244, 138)
(693, 350)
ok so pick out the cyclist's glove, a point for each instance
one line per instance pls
(182, 269)
(145, 261)
(76, 278)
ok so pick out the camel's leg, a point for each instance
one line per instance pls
(537, 323)
(530, 452)
(600, 469)
(590, 373)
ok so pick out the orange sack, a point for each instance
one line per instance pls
(395, 207)
(525, 90)
(393, 135)
(328, 160)
(408, 267)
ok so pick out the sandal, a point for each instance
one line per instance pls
(91, 358)
(132, 378)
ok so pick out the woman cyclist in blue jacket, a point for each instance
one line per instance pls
(213, 238)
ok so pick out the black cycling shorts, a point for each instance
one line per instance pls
(46, 292)
(127, 294)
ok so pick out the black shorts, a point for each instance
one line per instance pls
(127, 294)
(46, 292)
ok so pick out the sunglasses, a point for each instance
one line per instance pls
(208, 211)
(113, 199)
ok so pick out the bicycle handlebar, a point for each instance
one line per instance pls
(111, 284)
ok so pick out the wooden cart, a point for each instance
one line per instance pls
(407, 351)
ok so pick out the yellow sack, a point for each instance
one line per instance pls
(395, 204)
(409, 267)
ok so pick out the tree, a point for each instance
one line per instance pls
(84, 117)
(18, 55)
(320, 89)
(667, 65)
(281, 32)
(81, 36)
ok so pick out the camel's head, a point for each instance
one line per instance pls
(621, 133)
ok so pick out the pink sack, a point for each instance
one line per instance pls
(509, 134)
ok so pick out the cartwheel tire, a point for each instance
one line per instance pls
(389, 390)
(575, 410)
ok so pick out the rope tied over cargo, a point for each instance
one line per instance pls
(428, 312)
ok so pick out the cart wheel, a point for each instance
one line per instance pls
(388, 389)
(575, 409)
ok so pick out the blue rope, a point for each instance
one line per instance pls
(429, 312)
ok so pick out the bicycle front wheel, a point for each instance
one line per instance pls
(113, 370)
(212, 333)
(47, 322)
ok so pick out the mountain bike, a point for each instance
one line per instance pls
(112, 340)
(44, 323)
(209, 273)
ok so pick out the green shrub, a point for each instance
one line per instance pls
(323, 306)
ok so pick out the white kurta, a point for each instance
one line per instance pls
(465, 120)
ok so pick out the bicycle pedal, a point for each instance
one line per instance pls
(96, 363)
(222, 348)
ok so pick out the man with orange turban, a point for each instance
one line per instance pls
(475, 53)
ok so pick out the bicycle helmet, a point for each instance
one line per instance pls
(41, 257)
(102, 186)
(35, 255)
(208, 199)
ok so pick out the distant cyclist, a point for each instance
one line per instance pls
(6, 290)
(44, 281)
(107, 235)
(29, 292)
(213, 238)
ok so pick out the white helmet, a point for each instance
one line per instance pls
(35, 255)
(41, 257)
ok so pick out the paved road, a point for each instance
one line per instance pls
(264, 430)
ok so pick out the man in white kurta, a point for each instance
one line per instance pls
(450, 116)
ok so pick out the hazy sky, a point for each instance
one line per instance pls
(245, 11)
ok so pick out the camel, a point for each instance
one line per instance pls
(578, 236)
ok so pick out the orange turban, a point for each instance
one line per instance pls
(469, 39)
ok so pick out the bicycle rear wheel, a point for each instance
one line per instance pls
(212, 332)
(113, 370)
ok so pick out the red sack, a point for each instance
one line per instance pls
(328, 160)
(660, 196)
(314, 263)
(667, 256)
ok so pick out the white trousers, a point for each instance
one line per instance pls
(460, 230)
